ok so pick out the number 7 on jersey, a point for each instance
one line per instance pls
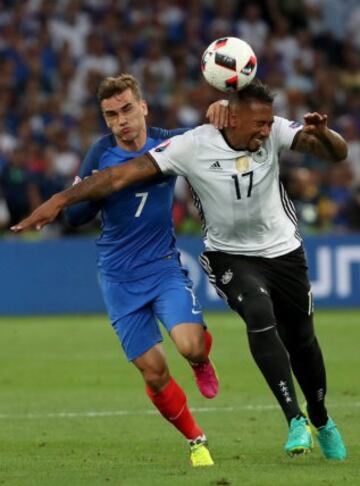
(143, 196)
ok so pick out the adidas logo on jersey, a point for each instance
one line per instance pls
(215, 166)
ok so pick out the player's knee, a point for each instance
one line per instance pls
(154, 370)
(262, 344)
(156, 379)
(189, 341)
(192, 347)
(256, 309)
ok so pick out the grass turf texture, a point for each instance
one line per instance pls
(73, 412)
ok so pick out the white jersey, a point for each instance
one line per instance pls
(244, 207)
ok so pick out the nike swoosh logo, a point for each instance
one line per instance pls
(195, 311)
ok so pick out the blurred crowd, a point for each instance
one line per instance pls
(54, 54)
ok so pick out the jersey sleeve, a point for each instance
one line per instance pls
(85, 211)
(163, 133)
(284, 132)
(90, 162)
(82, 213)
(176, 155)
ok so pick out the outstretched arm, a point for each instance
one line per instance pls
(97, 186)
(317, 139)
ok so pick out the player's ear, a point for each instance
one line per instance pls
(233, 119)
(144, 107)
(104, 117)
(233, 116)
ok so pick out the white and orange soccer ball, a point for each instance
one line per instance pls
(229, 64)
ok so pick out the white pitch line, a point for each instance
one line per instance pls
(120, 413)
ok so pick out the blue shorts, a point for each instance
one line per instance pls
(134, 308)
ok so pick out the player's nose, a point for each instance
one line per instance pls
(121, 119)
(265, 131)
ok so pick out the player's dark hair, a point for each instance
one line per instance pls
(255, 90)
(111, 86)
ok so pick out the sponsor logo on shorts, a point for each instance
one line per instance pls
(227, 277)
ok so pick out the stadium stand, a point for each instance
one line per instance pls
(53, 55)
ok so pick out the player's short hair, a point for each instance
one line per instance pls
(255, 90)
(111, 86)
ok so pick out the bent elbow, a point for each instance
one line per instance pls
(342, 155)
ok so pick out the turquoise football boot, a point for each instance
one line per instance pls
(330, 441)
(299, 439)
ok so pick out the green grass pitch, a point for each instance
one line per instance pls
(73, 411)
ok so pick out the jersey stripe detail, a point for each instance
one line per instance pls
(289, 209)
(197, 204)
(205, 263)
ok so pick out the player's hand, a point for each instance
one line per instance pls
(315, 123)
(44, 214)
(218, 114)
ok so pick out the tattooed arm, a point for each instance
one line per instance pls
(112, 179)
(317, 139)
(97, 186)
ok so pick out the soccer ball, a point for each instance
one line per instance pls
(229, 64)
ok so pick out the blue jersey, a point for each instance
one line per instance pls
(137, 237)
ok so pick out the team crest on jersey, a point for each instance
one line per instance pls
(227, 277)
(163, 146)
(261, 155)
(242, 163)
